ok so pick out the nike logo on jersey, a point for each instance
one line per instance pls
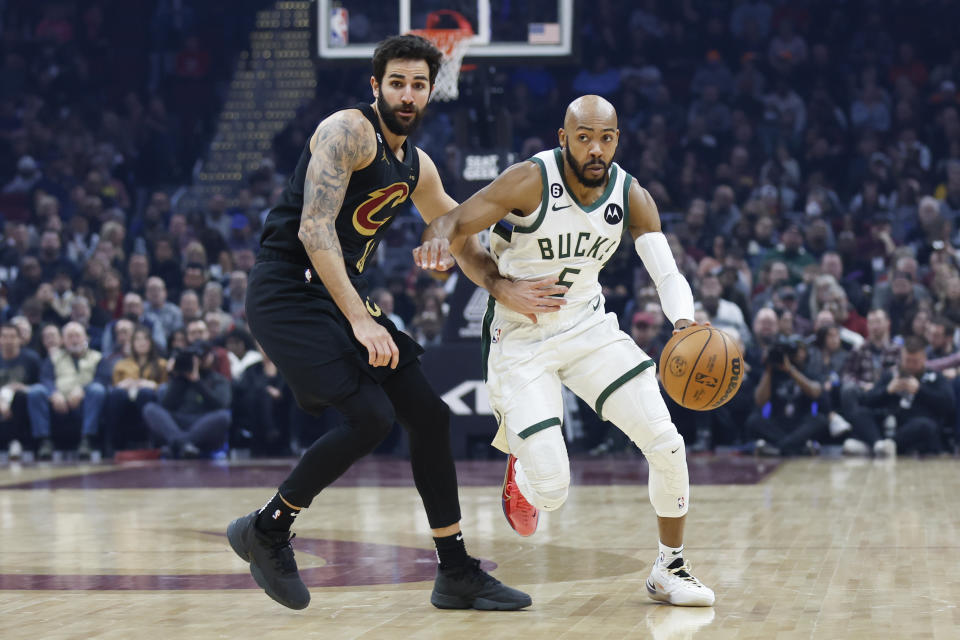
(596, 305)
(675, 450)
(556, 208)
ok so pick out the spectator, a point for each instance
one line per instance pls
(133, 310)
(788, 50)
(867, 362)
(68, 376)
(939, 337)
(19, 379)
(167, 314)
(785, 419)
(241, 350)
(722, 312)
(28, 175)
(260, 407)
(189, 306)
(50, 340)
(135, 379)
(199, 333)
(213, 304)
(236, 295)
(194, 414)
(138, 270)
(918, 406)
(194, 277)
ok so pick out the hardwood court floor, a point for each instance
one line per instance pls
(807, 549)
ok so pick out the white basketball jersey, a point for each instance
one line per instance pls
(564, 237)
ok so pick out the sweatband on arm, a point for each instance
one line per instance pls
(676, 299)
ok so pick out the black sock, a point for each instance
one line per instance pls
(276, 515)
(451, 551)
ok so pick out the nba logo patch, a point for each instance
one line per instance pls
(307, 276)
(680, 502)
(496, 336)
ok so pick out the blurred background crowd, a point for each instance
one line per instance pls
(804, 155)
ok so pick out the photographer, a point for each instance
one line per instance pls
(194, 414)
(786, 418)
(914, 406)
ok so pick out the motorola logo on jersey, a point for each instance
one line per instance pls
(613, 213)
(556, 190)
(363, 216)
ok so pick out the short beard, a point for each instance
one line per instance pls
(578, 170)
(389, 116)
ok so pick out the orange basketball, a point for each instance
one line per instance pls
(701, 368)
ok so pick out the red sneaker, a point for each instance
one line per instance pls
(521, 515)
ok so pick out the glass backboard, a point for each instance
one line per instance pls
(503, 28)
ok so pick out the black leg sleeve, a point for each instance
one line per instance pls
(426, 418)
(367, 419)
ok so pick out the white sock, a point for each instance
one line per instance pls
(669, 554)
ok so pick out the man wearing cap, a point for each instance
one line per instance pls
(645, 331)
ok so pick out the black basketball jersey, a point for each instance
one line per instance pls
(369, 205)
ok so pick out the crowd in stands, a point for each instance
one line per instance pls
(806, 165)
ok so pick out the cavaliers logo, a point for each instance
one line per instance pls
(363, 216)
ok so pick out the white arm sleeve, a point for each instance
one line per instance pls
(676, 299)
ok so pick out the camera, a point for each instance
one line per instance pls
(183, 362)
(783, 346)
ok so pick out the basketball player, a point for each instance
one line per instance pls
(307, 306)
(564, 210)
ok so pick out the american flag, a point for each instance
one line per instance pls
(543, 33)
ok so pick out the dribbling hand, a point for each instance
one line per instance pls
(434, 254)
(683, 323)
(379, 344)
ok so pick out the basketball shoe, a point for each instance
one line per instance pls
(270, 555)
(521, 515)
(674, 584)
(470, 587)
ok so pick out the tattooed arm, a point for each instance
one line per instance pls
(342, 143)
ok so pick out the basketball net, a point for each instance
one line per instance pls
(454, 44)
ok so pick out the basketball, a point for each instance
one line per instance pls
(701, 368)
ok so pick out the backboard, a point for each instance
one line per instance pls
(350, 29)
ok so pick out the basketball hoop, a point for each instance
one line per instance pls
(453, 42)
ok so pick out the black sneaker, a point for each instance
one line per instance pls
(46, 449)
(84, 449)
(271, 561)
(470, 587)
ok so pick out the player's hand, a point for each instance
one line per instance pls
(684, 323)
(377, 340)
(434, 254)
(531, 297)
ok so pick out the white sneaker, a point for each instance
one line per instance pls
(885, 448)
(675, 585)
(854, 447)
(15, 450)
(838, 425)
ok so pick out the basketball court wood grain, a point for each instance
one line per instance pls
(816, 549)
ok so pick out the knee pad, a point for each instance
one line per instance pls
(669, 482)
(638, 409)
(544, 470)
